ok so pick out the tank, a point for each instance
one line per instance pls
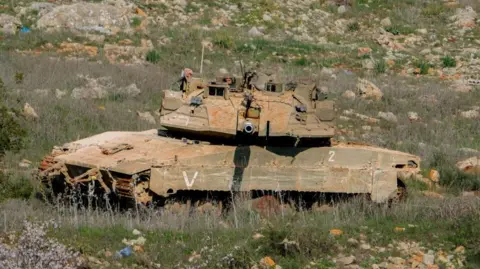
(256, 136)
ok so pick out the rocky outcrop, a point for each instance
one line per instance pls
(88, 17)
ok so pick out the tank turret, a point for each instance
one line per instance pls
(254, 108)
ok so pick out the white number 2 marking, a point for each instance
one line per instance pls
(331, 153)
(187, 181)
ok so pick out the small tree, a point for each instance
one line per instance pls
(12, 134)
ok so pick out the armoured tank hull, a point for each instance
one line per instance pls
(143, 167)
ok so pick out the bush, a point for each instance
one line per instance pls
(12, 187)
(380, 67)
(449, 61)
(153, 56)
(136, 21)
(353, 27)
(423, 66)
(12, 134)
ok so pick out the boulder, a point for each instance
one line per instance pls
(434, 175)
(470, 114)
(367, 89)
(95, 88)
(413, 116)
(346, 260)
(388, 116)
(254, 32)
(59, 94)
(464, 17)
(146, 116)
(470, 165)
(130, 90)
(9, 24)
(348, 94)
(386, 22)
(29, 112)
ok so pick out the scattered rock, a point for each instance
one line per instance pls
(29, 112)
(59, 94)
(470, 114)
(367, 89)
(113, 52)
(386, 22)
(24, 163)
(96, 38)
(460, 250)
(366, 127)
(9, 24)
(257, 236)
(254, 32)
(365, 246)
(470, 165)
(77, 49)
(93, 89)
(422, 31)
(346, 260)
(336, 232)
(434, 175)
(363, 51)
(267, 262)
(266, 17)
(429, 259)
(368, 64)
(396, 260)
(432, 194)
(388, 116)
(461, 86)
(348, 94)
(130, 90)
(146, 116)
(464, 17)
(413, 116)
(42, 92)
(352, 241)
(341, 9)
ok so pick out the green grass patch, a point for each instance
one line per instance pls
(423, 66)
(153, 56)
(400, 29)
(448, 61)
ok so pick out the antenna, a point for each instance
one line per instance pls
(201, 63)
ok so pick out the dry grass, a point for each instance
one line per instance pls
(172, 238)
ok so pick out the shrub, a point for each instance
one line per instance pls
(353, 27)
(423, 66)
(380, 67)
(12, 134)
(153, 56)
(136, 21)
(15, 187)
(449, 61)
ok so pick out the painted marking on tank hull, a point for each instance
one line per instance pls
(188, 182)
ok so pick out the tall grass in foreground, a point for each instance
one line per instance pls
(173, 237)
